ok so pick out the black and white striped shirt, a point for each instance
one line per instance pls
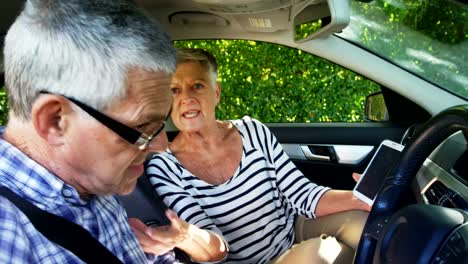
(254, 210)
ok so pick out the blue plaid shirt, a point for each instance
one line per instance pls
(102, 216)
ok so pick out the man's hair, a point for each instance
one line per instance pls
(82, 49)
(201, 56)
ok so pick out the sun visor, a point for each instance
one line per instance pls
(313, 20)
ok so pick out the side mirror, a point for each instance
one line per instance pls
(314, 19)
(375, 109)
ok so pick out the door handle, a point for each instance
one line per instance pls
(319, 153)
(341, 154)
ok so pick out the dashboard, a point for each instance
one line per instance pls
(442, 180)
(440, 185)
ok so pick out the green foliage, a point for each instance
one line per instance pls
(274, 83)
(428, 37)
(3, 106)
(441, 20)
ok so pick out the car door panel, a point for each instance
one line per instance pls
(328, 153)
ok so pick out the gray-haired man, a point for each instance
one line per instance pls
(81, 121)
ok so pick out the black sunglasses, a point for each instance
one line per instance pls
(133, 136)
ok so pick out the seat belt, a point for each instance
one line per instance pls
(63, 232)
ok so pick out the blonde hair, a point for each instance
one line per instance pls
(201, 56)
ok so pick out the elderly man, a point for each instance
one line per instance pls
(88, 86)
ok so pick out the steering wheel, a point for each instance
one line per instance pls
(390, 209)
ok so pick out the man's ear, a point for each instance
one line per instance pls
(218, 93)
(48, 118)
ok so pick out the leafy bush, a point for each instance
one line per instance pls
(3, 106)
(274, 83)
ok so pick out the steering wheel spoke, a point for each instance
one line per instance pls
(377, 228)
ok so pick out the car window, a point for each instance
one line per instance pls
(427, 37)
(278, 84)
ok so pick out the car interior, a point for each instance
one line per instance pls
(420, 214)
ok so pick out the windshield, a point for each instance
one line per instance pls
(426, 37)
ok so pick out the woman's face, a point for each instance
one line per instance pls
(195, 97)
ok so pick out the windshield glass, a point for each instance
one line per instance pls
(426, 37)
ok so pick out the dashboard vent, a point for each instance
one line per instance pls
(436, 192)
(460, 167)
(439, 194)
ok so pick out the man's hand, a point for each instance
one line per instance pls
(161, 239)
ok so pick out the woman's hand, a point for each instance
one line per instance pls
(356, 176)
(161, 239)
(365, 207)
(199, 244)
(335, 201)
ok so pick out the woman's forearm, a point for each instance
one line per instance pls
(334, 201)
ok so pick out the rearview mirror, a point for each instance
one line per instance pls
(375, 108)
(314, 19)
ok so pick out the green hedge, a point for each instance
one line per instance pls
(3, 106)
(278, 84)
(274, 83)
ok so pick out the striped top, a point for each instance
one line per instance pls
(254, 210)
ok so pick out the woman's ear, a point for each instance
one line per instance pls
(48, 116)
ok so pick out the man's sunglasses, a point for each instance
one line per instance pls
(133, 136)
